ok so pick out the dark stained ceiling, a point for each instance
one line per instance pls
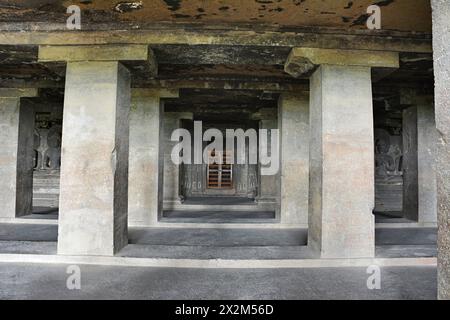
(401, 15)
(214, 63)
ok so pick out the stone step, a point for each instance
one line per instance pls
(217, 237)
(219, 207)
(187, 216)
(216, 252)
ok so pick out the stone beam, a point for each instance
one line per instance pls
(95, 52)
(302, 61)
(441, 44)
(76, 53)
(155, 92)
(229, 85)
(16, 153)
(176, 84)
(18, 92)
(404, 42)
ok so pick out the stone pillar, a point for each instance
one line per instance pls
(426, 148)
(16, 153)
(293, 122)
(146, 156)
(267, 192)
(172, 121)
(441, 50)
(419, 174)
(341, 223)
(94, 159)
(93, 206)
(341, 192)
(410, 164)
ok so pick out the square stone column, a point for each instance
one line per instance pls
(341, 183)
(146, 174)
(269, 189)
(419, 169)
(172, 188)
(16, 153)
(410, 164)
(293, 122)
(94, 159)
(342, 193)
(441, 51)
(426, 148)
(93, 204)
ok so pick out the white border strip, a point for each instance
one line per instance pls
(217, 263)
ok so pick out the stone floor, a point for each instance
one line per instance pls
(211, 243)
(48, 281)
(34, 281)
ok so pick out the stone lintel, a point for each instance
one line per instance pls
(401, 42)
(302, 61)
(18, 93)
(180, 115)
(95, 53)
(178, 84)
(154, 92)
(295, 95)
(265, 114)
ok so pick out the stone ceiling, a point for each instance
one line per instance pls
(216, 64)
(400, 15)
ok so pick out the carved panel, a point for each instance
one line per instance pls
(47, 143)
(47, 160)
(388, 171)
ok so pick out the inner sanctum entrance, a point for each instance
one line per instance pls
(220, 175)
(220, 191)
(223, 178)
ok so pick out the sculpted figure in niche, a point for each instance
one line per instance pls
(388, 157)
(53, 156)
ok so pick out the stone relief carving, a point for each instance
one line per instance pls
(47, 145)
(388, 156)
(388, 170)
